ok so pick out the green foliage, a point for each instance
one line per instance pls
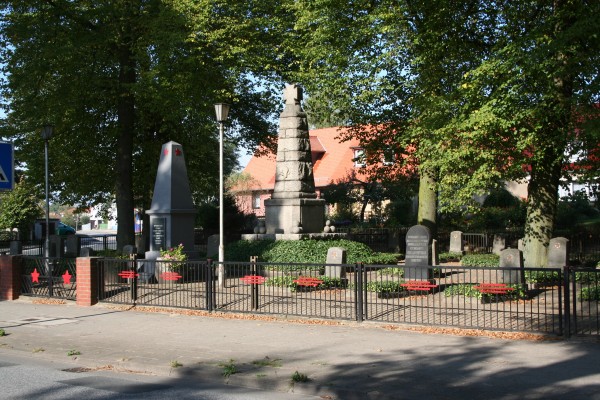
(480, 260)
(463, 289)
(543, 277)
(176, 364)
(305, 251)
(588, 277)
(385, 286)
(19, 208)
(298, 377)
(399, 272)
(2, 332)
(229, 368)
(288, 281)
(590, 293)
(73, 353)
(574, 209)
(450, 256)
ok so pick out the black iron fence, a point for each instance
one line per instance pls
(545, 300)
(533, 300)
(49, 277)
(99, 242)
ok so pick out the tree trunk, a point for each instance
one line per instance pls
(427, 201)
(126, 126)
(547, 169)
(542, 199)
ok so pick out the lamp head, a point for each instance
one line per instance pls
(222, 110)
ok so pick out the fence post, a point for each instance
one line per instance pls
(209, 285)
(567, 301)
(87, 281)
(255, 298)
(358, 281)
(134, 275)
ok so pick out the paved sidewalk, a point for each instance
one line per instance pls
(341, 360)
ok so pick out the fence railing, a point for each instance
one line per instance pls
(528, 300)
(545, 300)
(49, 277)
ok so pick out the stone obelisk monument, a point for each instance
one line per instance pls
(172, 213)
(294, 207)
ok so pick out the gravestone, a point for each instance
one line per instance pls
(73, 246)
(172, 213)
(16, 247)
(129, 250)
(520, 245)
(418, 253)
(293, 207)
(336, 258)
(435, 255)
(499, 244)
(456, 242)
(512, 261)
(558, 252)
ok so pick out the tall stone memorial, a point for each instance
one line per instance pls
(172, 213)
(418, 254)
(294, 207)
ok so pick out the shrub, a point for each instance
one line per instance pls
(587, 277)
(543, 277)
(391, 272)
(450, 256)
(385, 286)
(305, 251)
(590, 293)
(288, 281)
(480, 260)
(464, 289)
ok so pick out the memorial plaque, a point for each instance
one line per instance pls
(159, 234)
(418, 253)
(335, 255)
(512, 261)
(558, 252)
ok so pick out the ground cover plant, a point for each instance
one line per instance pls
(480, 260)
(304, 251)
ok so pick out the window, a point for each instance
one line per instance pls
(388, 156)
(256, 200)
(359, 157)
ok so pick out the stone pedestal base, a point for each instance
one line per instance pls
(282, 216)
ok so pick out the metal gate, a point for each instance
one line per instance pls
(49, 277)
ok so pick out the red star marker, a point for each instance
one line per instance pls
(177, 152)
(166, 152)
(67, 277)
(35, 276)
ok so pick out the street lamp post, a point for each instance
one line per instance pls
(46, 135)
(221, 110)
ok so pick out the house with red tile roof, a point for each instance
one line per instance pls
(332, 161)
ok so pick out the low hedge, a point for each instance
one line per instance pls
(304, 251)
(480, 260)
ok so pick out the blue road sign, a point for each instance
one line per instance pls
(7, 166)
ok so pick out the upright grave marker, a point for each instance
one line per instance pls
(456, 242)
(511, 260)
(558, 252)
(336, 257)
(418, 253)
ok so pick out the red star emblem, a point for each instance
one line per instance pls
(67, 277)
(178, 152)
(35, 276)
(166, 152)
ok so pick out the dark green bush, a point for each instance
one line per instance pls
(304, 251)
(590, 293)
(543, 277)
(480, 260)
(450, 256)
(385, 286)
(288, 281)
